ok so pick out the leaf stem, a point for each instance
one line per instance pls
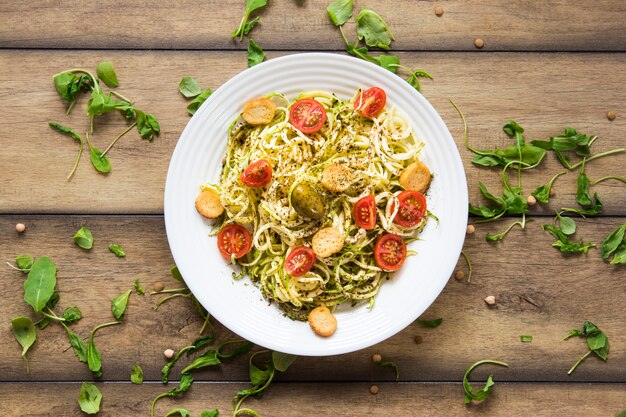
(578, 362)
(80, 152)
(596, 156)
(161, 301)
(118, 138)
(96, 85)
(469, 266)
(610, 177)
(115, 93)
(112, 323)
(18, 269)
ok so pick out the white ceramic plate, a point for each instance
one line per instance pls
(239, 305)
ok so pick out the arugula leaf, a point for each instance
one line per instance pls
(612, 241)
(189, 87)
(106, 73)
(40, 283)
(242, 347)
(564, 244)
(208, 358)
(117, 250)
(185, 383)
(197, 102)
(100, 162)
(597, 342)
(90, 398)
(78, 345)
(526, 338)
(72, 315)
(194, 347)
(431, 324)
(184, 413)
(100, 103)
(25, 334)
(620, 255)
(138, 288)
(94, 360)
(582, 192)
(147, 125)
(371, 27)
(282, 361)
(493, 238)
(339, 11)
(566, 224)
(595, 208)
(119, 303)
(244, 26)
(176, 273)
(74, 136)
(482, 394)
(24, 262)
(392, 365)
(136, 375)
(83, 238)
(542, 193)
(69, 85)
(255, 54)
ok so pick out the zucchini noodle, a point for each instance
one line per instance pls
(376, 150)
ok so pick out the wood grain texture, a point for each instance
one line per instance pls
(539, 292)
(557, 25)
(543, 92)
(315, 399)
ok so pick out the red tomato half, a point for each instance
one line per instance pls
(365, 212)
(257, 174)
(412, 208)
(307, 115)
(390, 252)
(370, 102)
(299, 261)
(233, 239)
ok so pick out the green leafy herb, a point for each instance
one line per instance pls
(90, 398)
(431, 324)
(564, 244)
(83, 238)
(615, 244)
(117, 250)
(147, 125)
(100, 162)
(74, 136)
(255, 54)
(71, 315)
(136, 375)
(197, 102)
(241, 348)
(185, 383)
(189, 87)
(24, 262)
(567, 225)
(371, 28)
(208, 358)
(392, 365)
(184, 413)
(176, 274)
(138, 288)
(25, 334)
(339, 11)
(582, 192)
(93, 354)
(106, 73)
(78, 345)
(119, 303)
(194, 347)
(40, 283)
(244, 26)
(483, 393)
(622, 414)
(595, 208)
(526, 338)
(70, 83)
(499, 236)
(282, 361)
(597, 342)
(542, 193)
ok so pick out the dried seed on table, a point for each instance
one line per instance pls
(531, 200)
(470, 229)
(439, 11)
(611, 115)
(158, 286)
(459, 275)
(490, 300)
(374, 389)
(418, 339)
(168, 353)
(479, 43)
(376, 357)
(20, 227)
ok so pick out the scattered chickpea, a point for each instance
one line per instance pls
(459, 275)
(439, 11)
(418, 339)
(374, 389)
(490, 300)
(479, 43)
(376, 358)
(611, 115)
(169, 353)
(531, 200)
(470, 229)
(20, 227)
(158, 286)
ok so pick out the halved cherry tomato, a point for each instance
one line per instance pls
(365, 212)
(390, 252)
(370, 102)
(412, 208)
(307, 115)
(299, 261)
(233, 239)
(257, 174)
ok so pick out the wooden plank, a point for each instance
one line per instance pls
(558, 25)
(312, 399)
(542, 91)
(539, 292)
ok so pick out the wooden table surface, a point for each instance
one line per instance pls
(546, 64)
